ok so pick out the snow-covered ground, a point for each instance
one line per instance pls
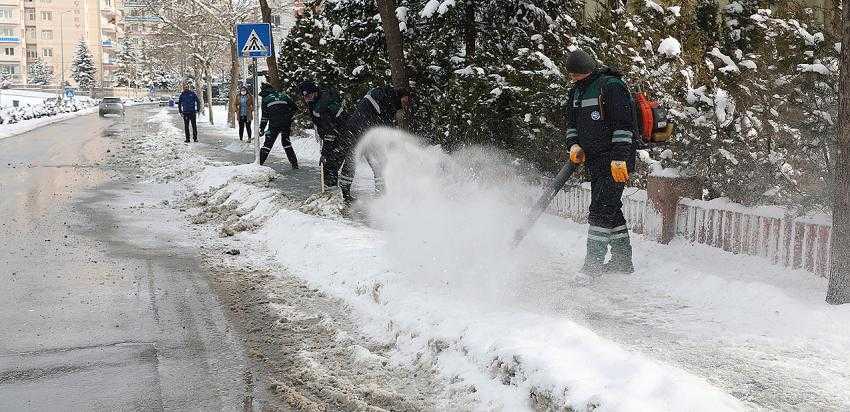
(9, 130)
(30, 101)
(432, 276)
(23, 97)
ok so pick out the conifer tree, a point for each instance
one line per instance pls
(82, 67)
(40, 73)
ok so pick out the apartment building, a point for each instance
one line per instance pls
(51, 30)
(12, 55)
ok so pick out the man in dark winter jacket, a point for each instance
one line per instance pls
(377, 108)
(329, 118)
(188, 106)
(600, 133)
(278, 111)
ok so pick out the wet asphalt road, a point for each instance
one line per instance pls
(97, 312)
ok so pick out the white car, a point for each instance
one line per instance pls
(111, 105)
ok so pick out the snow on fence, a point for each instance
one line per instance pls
(769, 232)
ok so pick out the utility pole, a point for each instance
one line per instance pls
(62, 53)
(839, 274)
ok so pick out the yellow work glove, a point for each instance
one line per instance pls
(576, 154)
(619, 171)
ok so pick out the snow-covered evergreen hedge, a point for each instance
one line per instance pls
(753, 91)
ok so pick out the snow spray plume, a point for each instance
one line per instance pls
(449, 218)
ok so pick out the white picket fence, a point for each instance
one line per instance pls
(573, 201)
(769, 232)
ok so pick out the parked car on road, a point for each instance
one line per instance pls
(111, 105)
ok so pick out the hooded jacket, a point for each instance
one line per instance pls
(377, 108)
(278, 108)
(328, 115)
(600, 117)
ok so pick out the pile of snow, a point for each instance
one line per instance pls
(216, 177)
(814, 68)
(437, 283)
(520, 329)
(670, 47)
(327, 204)
(17, 120)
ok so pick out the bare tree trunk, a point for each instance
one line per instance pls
(470, 30)
(273, 75)
(209, 90)
(395, 50)
(839, 274)
(234, 89)
(392, 35)
(835, 14)
(199, 86)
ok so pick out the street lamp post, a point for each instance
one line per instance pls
(62, 52)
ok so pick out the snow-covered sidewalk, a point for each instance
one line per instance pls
(433, 277)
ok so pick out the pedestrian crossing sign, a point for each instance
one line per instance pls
(254, 40)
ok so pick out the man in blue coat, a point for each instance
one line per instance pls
(189, 106)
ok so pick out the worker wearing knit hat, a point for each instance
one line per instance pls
(579, 62)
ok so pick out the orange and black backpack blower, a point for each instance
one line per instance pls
(651, 120)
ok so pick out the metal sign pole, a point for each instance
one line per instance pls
(256, 129)
(254, 40)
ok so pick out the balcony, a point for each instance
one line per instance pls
(10, 59)
(105, 9)
(108, 27)
(10, 39)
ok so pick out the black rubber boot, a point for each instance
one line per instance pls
(594, 261)
(264, 154)
(621, 255)
(290, 154)
(346, 193)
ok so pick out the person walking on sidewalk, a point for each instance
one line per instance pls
(600, 133)
(244, 109)
(377, 108)
(278, 111)
(188, 106)
(329, 118)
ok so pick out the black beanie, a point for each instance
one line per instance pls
(307, 87)
(580, 62)
(402, 92)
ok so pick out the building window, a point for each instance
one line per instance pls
(5, 13)
(47, 52)
(30, 14)
(47, 15)
(47, 34)
(45, 1)
(8, 69)
(30, 33)
(108, 2)
(7, 32)
(32, 54)
(275, 20)
(8, 51)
